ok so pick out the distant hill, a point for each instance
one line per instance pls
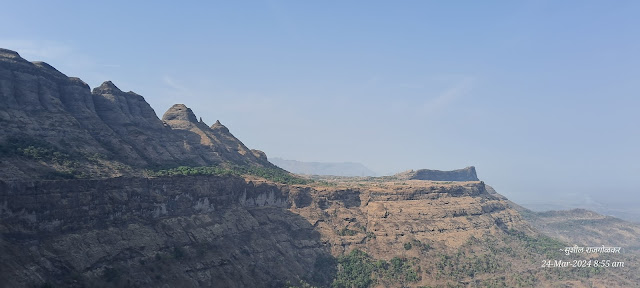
(585, 227)
(323, 168)
(580, 226)
(626, 211)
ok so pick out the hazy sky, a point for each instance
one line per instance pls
(541, 96)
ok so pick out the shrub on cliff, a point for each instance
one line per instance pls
(273, 174)
(354, 270)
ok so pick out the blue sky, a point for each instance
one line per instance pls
(541, 96)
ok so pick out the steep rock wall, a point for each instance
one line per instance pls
(185, 231)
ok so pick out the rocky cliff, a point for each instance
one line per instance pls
(54, 125)
(227, 231)
(215, 142)
(203, 231)
(465, 174)
(224, 231)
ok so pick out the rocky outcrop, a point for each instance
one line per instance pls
(215, 144)
(135, 122)
(117, 108)
(181, 113)
(219, 127)
(465, 174)
(103, 133)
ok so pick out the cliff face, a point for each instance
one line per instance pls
(225, 231)
(36, 100)
(465, 174)
(384, 217)
(105, 132)
(182, 231)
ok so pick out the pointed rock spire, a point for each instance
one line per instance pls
(218, 126)
(107, 87)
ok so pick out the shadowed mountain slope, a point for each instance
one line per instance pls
(54, 126)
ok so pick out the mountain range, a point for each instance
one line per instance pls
(97, 191)
(103, 132)
(323, 168)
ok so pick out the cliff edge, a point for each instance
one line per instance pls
(465, 174)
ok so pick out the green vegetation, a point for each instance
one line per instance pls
(476, 257)
(510, 260)
(42, 151)
(540, 244)
(358, 269)
(347, 232)
(68, 165)
(354, 270)
(273, 174)
(462, 265)
(417, 244)
(398, 269)
(33, 148)
(189, 171)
